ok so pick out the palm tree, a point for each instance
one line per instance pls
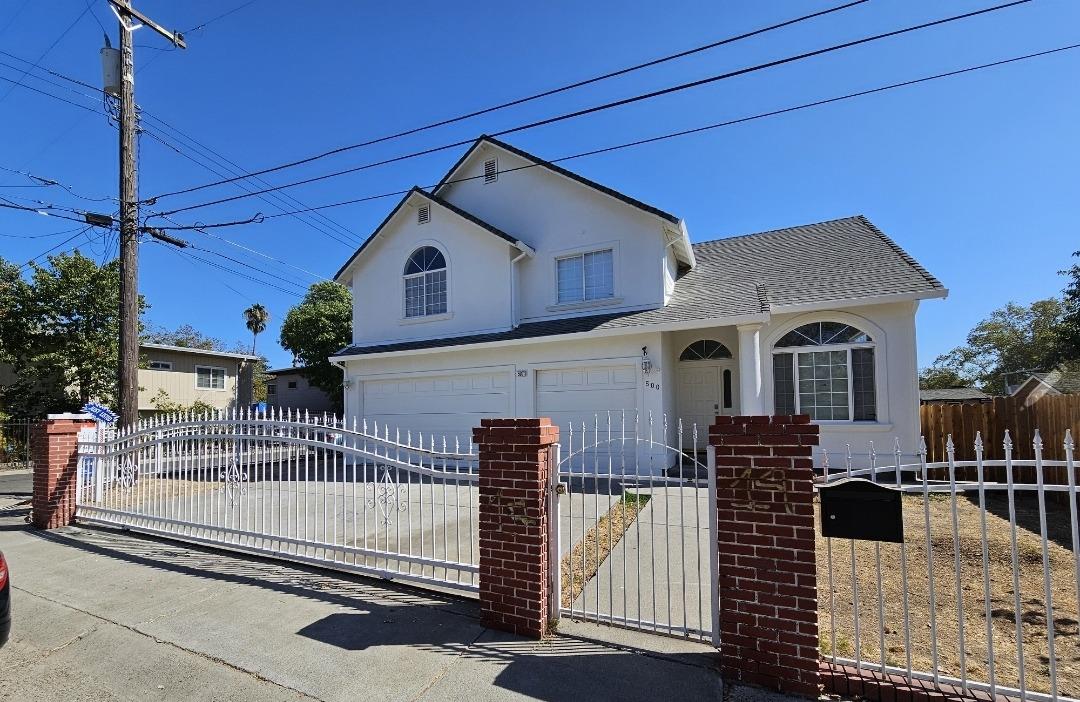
(257, 316)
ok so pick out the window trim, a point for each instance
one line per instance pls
(162, 365)
(598, 247)
(879, 344)
(224, 378)
(846, 348)
(420, 318)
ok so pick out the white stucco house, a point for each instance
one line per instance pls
(518, 288)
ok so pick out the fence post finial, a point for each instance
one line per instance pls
(978, 442)
(1036, 441)
(1007, 442)
(1068, 442)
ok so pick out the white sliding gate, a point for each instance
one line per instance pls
(373, 500)
(636, 533)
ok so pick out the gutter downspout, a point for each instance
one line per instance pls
(526, 251)
(344, 383)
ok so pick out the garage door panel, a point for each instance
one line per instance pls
(579, 394)
(445, 404)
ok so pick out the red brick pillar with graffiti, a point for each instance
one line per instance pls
(55, 450)
(768, 618)
(515, 466)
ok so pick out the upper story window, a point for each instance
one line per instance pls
(160, 365)
(425, 283)
(825, 370)
(209, 378)
(586, 276)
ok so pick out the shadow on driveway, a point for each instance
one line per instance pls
(385, 619)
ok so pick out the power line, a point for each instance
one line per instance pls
(51, 47)
(215, 157)
(40, 236)
(191, 263)
(543, 94)
(14, 16)
(54, 248)
(708, 127)
(598, 108)
(248, 265)
(49, 182)
(345, 242)
(233, 271)
(222, 16)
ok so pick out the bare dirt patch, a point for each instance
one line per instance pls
(944, 636)
(580, 565)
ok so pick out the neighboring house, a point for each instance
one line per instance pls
(954, 396)
(220, 379)
(518, 288)
(1063, 380)
(288, 388)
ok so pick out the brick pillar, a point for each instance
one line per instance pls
(55, 451)
(513, 523)
(768, 574)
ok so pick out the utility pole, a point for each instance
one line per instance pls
(129, 207)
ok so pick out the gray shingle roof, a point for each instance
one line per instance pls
(954, 394)
(834, 261)
(1064, 379)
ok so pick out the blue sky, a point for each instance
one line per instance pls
(975, 176)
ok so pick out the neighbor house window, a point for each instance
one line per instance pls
(587, 276)
(425, 283)
(271, 389)
(292, 384)
(160, 365)
(825, 370)
(209, 378)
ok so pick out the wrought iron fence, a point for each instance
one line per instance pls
(637, 525)
(982, 594)
(15, 450)
(370, 499)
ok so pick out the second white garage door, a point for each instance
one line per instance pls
(448, 404)
(580, 395)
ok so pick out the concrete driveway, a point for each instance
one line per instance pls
(108, 615)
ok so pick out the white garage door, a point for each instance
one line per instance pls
(448, 404)
(588, 395)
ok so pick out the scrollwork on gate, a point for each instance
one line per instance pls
(233, 480)
(388, 495)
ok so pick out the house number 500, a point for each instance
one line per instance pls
(651, 385)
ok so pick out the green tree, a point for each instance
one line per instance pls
(1012, 341)
(61, 330)
(184, 335)
(256, 318)
(1069, 330)
(939, 377)
(318, 327)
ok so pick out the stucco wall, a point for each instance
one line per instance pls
(303, 397)
(478, 279)
(557, 216)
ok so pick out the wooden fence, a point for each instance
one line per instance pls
(1051, 415)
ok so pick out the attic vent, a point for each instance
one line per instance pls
(491, 170)
(423, 214)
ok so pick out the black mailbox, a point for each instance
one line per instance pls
(856, 508)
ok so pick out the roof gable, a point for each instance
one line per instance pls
(672, 222)
(453, 209)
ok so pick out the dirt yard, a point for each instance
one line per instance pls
(971, 582)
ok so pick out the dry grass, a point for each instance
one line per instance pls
(968, 543)
(579, 566)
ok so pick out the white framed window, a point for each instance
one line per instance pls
(825, 370)
(586, 276)
(425, 283)
(160, 365)
(209, 378)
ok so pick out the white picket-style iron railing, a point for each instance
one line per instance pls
(361, 497)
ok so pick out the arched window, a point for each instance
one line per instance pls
(704, 350)
(825, 370)
(425, 283)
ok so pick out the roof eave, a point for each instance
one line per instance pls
(838, 303)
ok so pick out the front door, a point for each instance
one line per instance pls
(705, 390)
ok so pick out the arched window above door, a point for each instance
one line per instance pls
(705, 350)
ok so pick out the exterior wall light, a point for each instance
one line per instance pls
(646, 362)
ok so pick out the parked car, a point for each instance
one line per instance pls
(5, 600)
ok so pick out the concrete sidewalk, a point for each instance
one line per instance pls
(107, 615)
